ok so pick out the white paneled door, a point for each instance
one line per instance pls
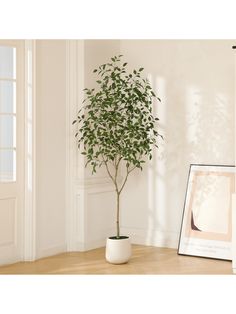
(11, 150)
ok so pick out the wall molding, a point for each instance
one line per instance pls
(74, 83)
(93, 182)
(29, 251)
(81, 186)
(95, 189)
(234, 194)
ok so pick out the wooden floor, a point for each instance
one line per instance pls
(145, 260)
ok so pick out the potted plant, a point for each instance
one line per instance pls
(117, 129)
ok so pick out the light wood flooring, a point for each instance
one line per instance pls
(145, 260)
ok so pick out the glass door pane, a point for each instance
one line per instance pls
(7, 97)
(7, 131)
(7, 62)
(7, 114)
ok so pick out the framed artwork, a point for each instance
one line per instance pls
(206, 229)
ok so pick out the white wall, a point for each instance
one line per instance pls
(50, 146)
(195, 81)
(78, 224)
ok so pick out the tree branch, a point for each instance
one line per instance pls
(131, 169)
(108, 171)
(117, 168)
(126, 177)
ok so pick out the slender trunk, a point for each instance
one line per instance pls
(117, 214)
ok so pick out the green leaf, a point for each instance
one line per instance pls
(117, 120)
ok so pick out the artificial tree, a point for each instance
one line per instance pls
(116, 124)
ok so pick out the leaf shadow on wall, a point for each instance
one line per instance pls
(197, 130)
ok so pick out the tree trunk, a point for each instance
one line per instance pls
(117, 214)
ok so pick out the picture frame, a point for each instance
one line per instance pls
(206, 229)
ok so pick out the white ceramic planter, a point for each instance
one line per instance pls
(118, 251)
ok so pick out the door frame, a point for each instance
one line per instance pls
(15, 253)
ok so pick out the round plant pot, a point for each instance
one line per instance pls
(118, 250)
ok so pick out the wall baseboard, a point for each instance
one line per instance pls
(95, 244)
(54, 250)
(8, 261)
(152, 237)
(138, 236)
(83, 247)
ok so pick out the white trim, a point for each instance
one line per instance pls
(94, 182)
(74, 84)
(234, 194)
(95, 189)
(29, 253)
(19, 164)
(152, 237)
(53, 250)
(91, 245)
(8, 261)
(234, 232)
(14, 252)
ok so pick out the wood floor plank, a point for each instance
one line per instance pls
(145, 260)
